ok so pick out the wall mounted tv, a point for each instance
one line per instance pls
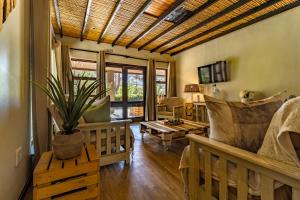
(213, 73)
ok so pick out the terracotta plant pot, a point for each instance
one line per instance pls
(68, 146)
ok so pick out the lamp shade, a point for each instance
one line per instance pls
(191, 88)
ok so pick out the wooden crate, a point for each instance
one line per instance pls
(77, 178)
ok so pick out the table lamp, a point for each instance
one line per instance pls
(192, 88)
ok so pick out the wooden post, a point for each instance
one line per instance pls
(194, 171)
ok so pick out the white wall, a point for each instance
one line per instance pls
(92, 45)
(14, 101)
(264, 57)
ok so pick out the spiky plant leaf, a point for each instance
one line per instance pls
(72, 108)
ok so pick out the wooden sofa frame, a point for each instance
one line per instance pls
(269, 170)
(117, 145)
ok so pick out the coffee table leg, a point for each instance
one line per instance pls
(166, 140)
(142, 131)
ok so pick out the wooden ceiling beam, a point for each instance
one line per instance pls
(232, 20)
(58, 18)
(86, 18)
(260, 18)
(158, 21)
(195, 12)
(205, 22)
(110, 19)
(133, 20)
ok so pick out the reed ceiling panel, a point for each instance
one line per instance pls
(233, 25)
(223, 19)
(72, 14)
(99, 15)
(144, 22)
(165, 36)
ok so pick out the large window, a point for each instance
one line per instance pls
(84, 70)
(161, 82)
(127, 89)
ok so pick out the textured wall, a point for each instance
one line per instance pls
(14, 56)
(264, 57)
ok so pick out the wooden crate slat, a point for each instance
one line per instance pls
(83, 157)
(69, 164)
(67, 186)
(93, 153)
(76, 178)
(56, 175)
(84, 194)
(55, 164)
(43, 164)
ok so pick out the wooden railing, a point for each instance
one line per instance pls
(111, 143)
(268, 169)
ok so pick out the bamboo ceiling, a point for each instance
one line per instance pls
(145, 24)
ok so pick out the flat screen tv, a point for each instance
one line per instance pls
(213, 73)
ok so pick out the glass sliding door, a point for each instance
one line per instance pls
(114, 82)
(135, 93)
(127, 91)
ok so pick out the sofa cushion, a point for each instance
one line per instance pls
(99, 111)
(239, 124)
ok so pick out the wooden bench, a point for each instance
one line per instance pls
(76, 178)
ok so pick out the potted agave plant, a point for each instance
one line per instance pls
(68, 143)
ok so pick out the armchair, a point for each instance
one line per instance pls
(172, 107)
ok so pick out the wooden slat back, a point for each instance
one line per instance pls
(98, 141)
(241, 158)
(194, 174)
(108, 141)
(296, 194)
(267, 188)
(118, 139)
(242, 182)
(223, 179)
(87, 137)
(208, 178)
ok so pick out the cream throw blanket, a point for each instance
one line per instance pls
(277, 145)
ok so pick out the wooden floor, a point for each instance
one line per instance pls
(152, 175)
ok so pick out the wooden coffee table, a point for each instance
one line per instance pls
(168, 133)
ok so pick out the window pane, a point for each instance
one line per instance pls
(161, 75)
(135, 85)
(161, 89)
(84, 73)
(81, 65)
(137, 111)
(116, 112)
(114, 83)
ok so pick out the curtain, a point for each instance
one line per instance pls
(1, 14)
(39, 69)
(171, 91)
(150, 113)
(58, 60)
(101, 71)
(65, 65)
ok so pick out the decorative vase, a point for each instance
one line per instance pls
(68, 146)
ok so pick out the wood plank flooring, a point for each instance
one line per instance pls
(152, 175)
